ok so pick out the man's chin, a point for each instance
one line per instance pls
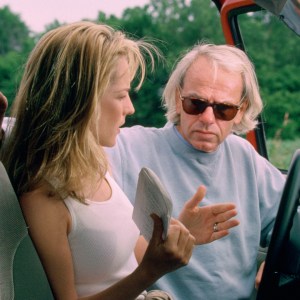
(205, 147)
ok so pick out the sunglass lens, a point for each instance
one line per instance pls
(194, 106)
(221, 111)
(225, 112)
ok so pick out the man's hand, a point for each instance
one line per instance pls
(3, 107)
(207, 223)
(259, 275)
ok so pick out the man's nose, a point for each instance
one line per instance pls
(207, 116)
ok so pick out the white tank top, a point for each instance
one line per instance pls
(102, 241)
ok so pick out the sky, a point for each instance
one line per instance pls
(38, 13)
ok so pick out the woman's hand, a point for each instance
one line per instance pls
(207, 223)
(3, 107)
(163, 256)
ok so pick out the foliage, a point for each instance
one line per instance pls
(175, 26)
(281, 152)
(14, 34)
(15, 44)
(10, 73)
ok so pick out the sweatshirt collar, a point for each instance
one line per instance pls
(180, 146)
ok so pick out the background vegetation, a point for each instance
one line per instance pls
(175, 26)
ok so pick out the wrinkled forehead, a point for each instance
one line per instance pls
(205, 66)
(209, 75)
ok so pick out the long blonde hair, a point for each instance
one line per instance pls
(65, 76)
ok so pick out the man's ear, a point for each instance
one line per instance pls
(178, 103)
(241, 112)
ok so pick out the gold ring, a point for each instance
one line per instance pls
(216, 227)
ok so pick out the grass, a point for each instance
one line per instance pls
(281, 151)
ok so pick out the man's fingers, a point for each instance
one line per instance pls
(259, 275)
(220, 234)
(223, 229)
(224, 226)
(225, 216)
(223, 207)
(197, 198)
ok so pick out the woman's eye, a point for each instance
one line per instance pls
(122, 97)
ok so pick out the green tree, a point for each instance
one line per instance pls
(174, 26)
(14, 34)
(15, 44)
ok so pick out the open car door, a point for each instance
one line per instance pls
(281, 276)
(286, 10)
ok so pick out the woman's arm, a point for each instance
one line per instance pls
(49, 223)
(161, 257)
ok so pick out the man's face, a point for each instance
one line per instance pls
(204, 131)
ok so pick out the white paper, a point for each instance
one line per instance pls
(151, 197)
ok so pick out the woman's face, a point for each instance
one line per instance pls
(115, 104)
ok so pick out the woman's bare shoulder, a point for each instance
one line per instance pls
(44, 206)
(42, 195)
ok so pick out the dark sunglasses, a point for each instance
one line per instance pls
(222, 111)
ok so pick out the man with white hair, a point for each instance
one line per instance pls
(211, 97)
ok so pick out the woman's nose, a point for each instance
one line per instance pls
(129, 108)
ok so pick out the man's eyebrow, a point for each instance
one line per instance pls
(192, 94)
